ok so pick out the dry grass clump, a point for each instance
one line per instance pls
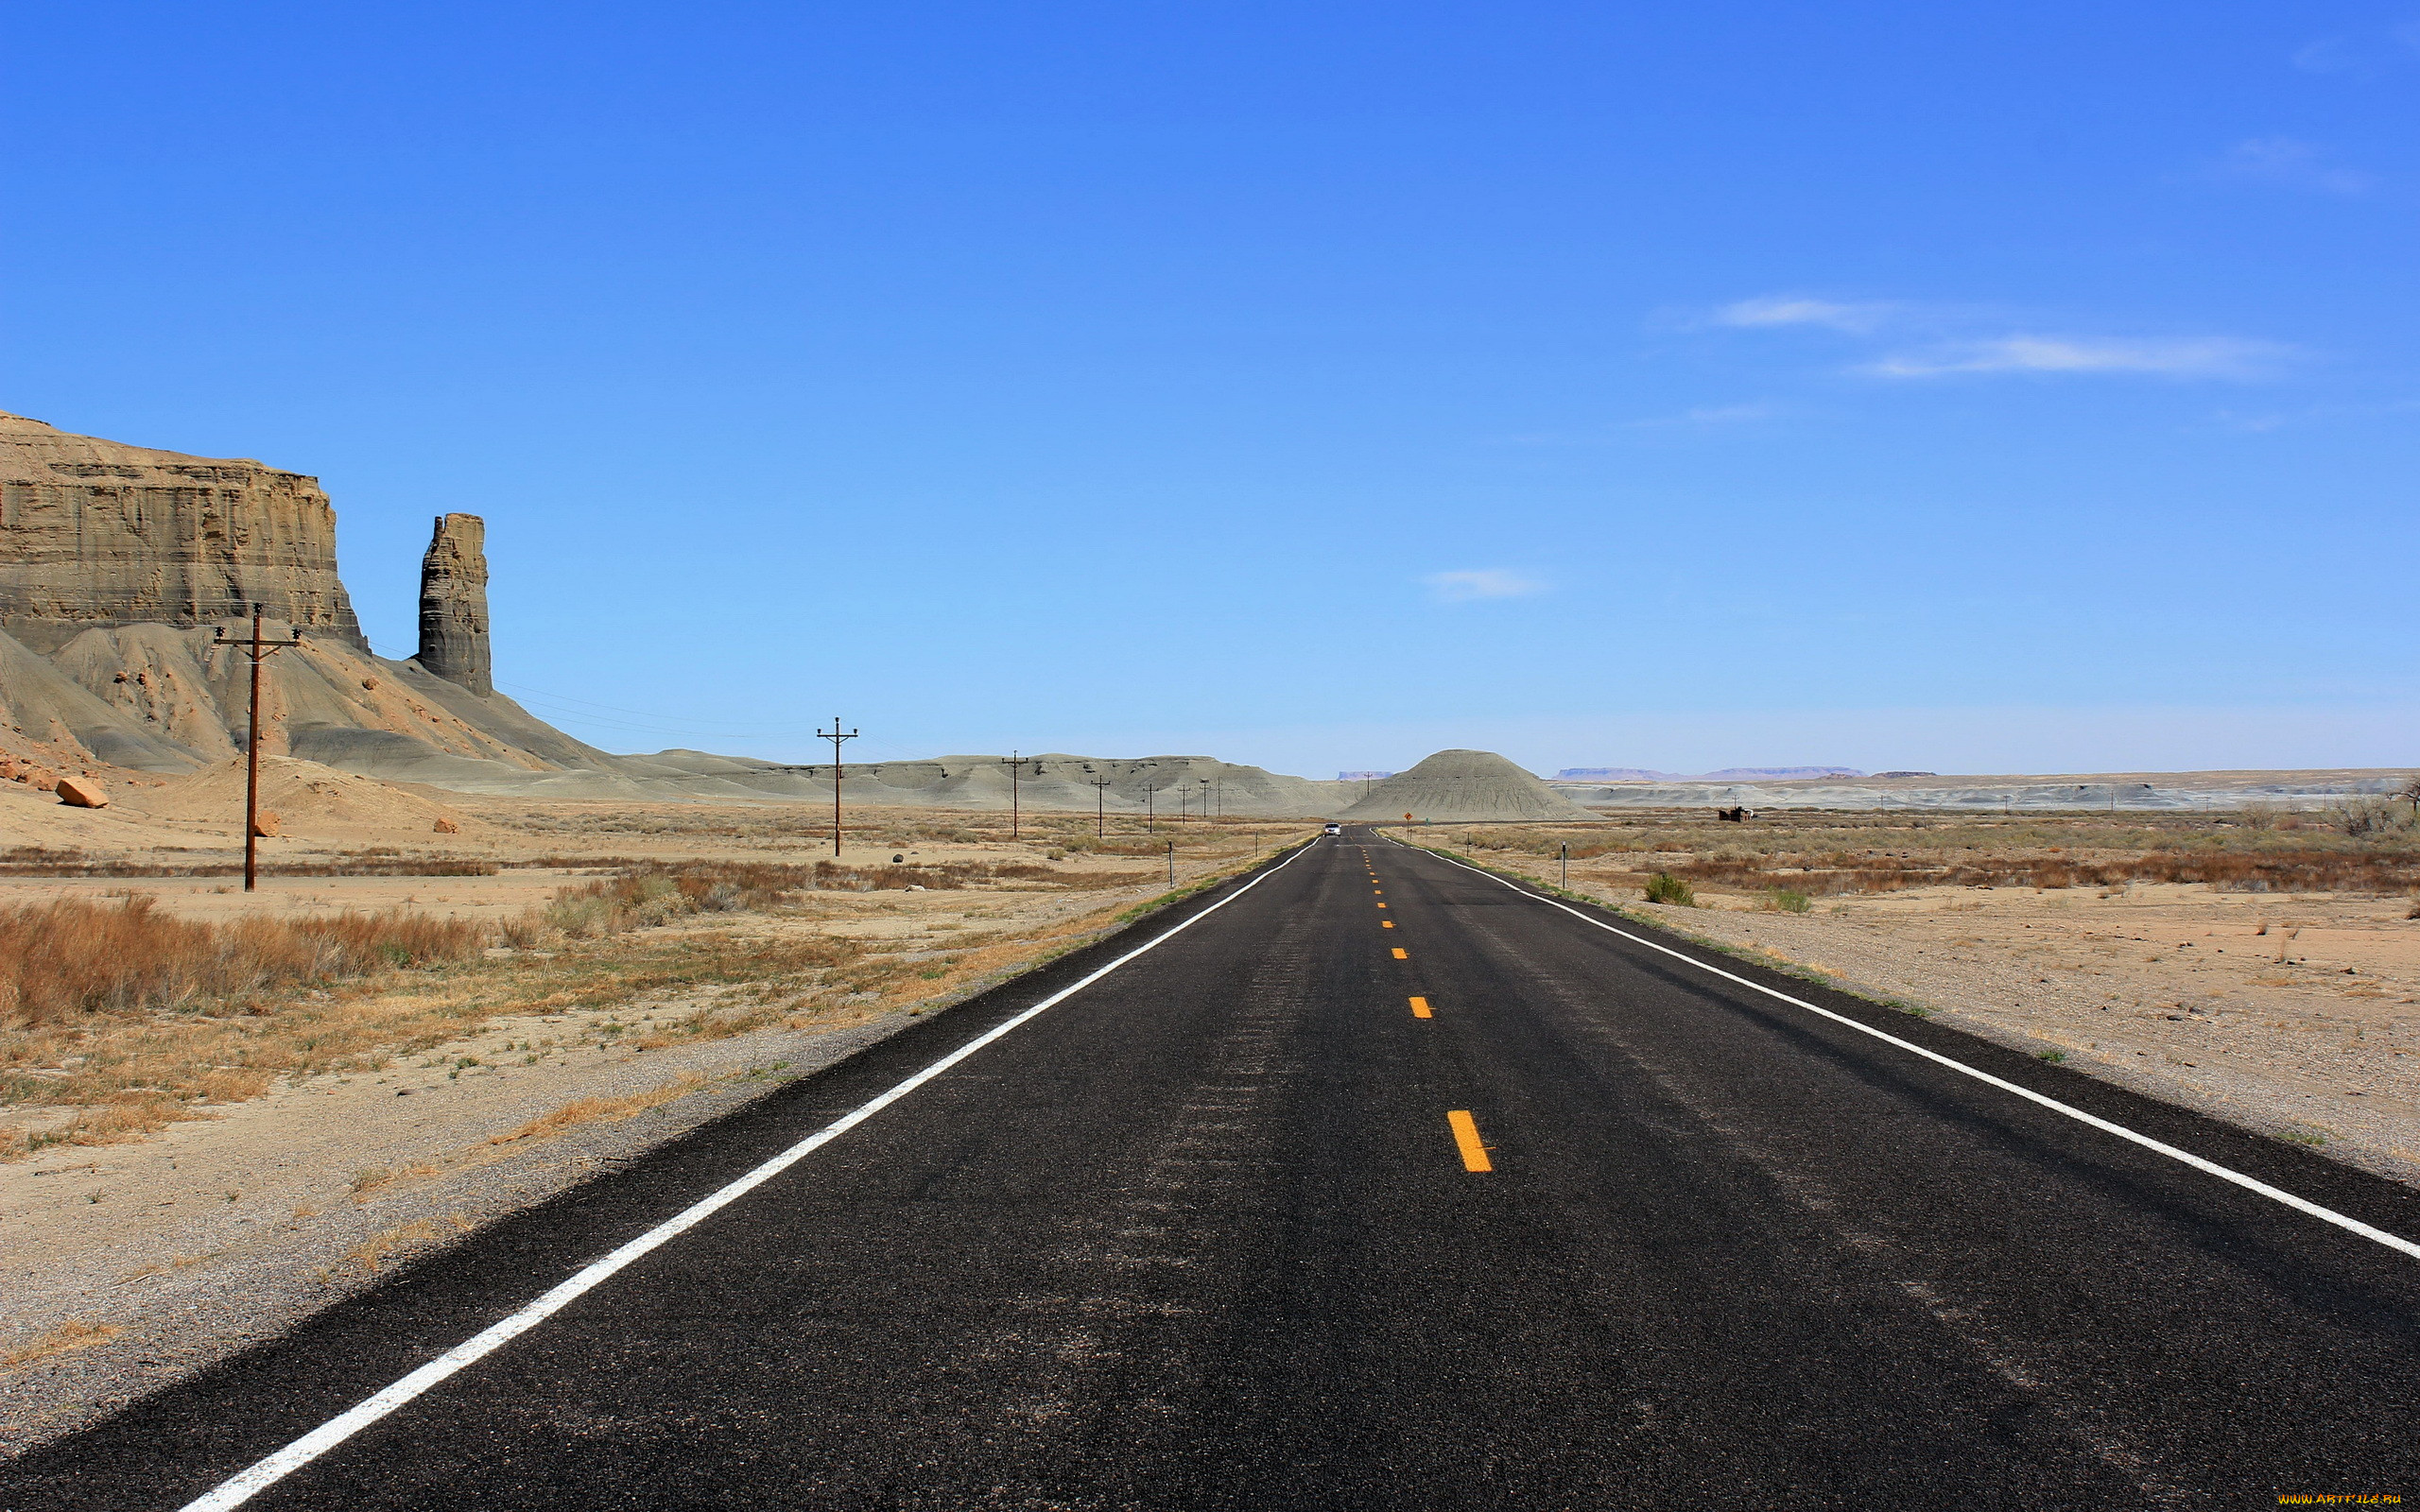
(65, 958)
(657, 893)
(600, 1109)
(76, 1333)
(374, 1252)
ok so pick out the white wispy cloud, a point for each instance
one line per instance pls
(2329, 55)
(1791, 309)
(2362, 55)
(1916, 340)
(1706, 415)
(2193, 357)
(2286, 163)
(1469, 583)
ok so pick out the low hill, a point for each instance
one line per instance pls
(1464, 786)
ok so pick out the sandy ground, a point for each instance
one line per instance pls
(2298, 1016)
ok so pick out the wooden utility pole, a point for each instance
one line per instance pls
(259, 650)
(1011, 761)
(1100, 805)
(835, 736)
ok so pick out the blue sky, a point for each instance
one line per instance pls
(1966, 388)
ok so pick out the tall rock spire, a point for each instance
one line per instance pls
(454, 603)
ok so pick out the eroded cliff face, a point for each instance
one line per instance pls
(98, 533)
(454, 604)
(117, 561)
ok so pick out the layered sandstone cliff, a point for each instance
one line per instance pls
(96, 532)
(117, 561)
(454, 604)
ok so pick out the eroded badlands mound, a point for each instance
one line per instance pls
(1466, 787)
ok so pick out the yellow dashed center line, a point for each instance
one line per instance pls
(1420, 1007)
(1401, 955)
(1466, 1140)
(1386, 923)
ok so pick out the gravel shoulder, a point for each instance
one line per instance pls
(2297, 1017)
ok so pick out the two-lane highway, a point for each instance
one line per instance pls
(1378, 1184)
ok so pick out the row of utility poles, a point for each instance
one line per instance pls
(1212, 807)
(1210, 788)
(260, 650)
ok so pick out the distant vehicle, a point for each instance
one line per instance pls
(1336, 829)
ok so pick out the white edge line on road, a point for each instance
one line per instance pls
(240, 1487)
(2343, 1221)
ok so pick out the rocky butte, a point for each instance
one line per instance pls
(96, 533)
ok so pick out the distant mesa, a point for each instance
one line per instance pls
(1728, 774)
(1466, 787)
(1362, 776)
(1782, 774)
(1907, 774)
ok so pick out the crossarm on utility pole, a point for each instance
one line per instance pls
(260, 652)
(835, 736)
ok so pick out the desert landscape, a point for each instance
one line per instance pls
(486, 962)
(880, 757)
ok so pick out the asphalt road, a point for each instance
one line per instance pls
(1203, 1235)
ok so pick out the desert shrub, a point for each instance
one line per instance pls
(2364, 814)
(1664, 887)
(70, 958)
(1786, 900)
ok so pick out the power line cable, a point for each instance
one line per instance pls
(585, 710)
